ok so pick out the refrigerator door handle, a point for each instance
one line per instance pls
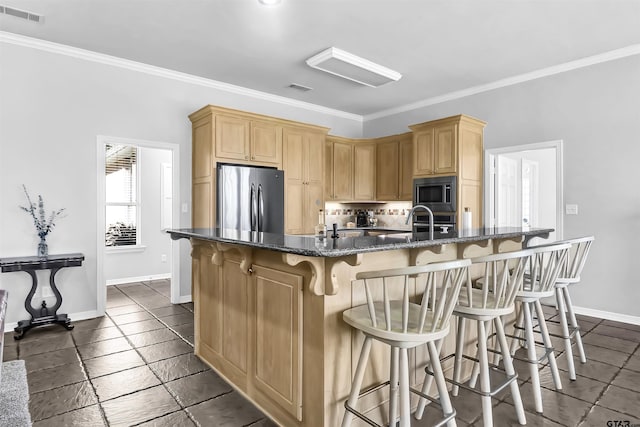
(252, 207)
(260, 208)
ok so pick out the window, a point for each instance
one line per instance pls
(122, 208)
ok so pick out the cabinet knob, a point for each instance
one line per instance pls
(253, 157)
(246, 157)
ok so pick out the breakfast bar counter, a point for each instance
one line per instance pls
(268, 311)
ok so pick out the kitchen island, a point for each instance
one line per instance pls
(268, 311)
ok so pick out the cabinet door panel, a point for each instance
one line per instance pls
(234, 316)
(315, 157)
(202, 214)
(387, 171)
(294, 207)
(202, 150)
(342, 171)
(406, 170)
(208, 302)
(294, 155)
(266, 143)
(232, 138)
(445, 149)
(278, 340)
(423, 152)
(471, 154)
(364, 186)
(313, 203)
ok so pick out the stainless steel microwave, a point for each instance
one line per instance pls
(438, 194)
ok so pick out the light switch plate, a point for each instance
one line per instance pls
(185, 207)
(571, 209)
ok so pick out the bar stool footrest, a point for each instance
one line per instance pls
(445, 420)
(497, 389)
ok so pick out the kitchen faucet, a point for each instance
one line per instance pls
(415, 208)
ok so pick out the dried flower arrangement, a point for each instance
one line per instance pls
(43, 224)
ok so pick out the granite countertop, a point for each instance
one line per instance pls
(328, 247)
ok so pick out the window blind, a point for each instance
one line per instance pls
(121, 207)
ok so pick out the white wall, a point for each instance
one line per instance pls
(596, 112)
(118, 265)
(52, 108)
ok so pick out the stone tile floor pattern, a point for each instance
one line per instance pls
(136, 367)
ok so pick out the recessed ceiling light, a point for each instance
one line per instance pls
(269, 2)
(352, 67)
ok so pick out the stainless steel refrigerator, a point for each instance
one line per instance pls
(250, 198)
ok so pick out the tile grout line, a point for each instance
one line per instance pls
(164, 384)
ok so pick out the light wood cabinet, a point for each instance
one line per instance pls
(394, 168)
(304, 174)
(277, 356)
(242, 139)
(364, 171)
(339, 169)
(406, 167)
(435, 150)
(232, 136)
(350, 170)
(453, 146)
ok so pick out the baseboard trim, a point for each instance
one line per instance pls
(125, 280)
(83, 315)
(185, 299)
(618, 317)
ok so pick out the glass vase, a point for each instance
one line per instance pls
(43, 248)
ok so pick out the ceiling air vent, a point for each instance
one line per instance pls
(299, 87)
(352, 67)
(22, 14)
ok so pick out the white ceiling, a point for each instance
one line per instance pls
(439, 46)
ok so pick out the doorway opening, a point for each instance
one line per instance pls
(525, 187)
(137, 200)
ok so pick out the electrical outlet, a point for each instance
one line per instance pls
(185, 207)
(47, 292)
(571, 209)
(163, 258)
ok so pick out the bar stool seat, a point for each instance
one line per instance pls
(402, 325)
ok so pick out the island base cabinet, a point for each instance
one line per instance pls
(277, 355)
(267, 327)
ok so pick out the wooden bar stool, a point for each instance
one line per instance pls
(544, 268)
(570, 275)
(500, 278)
(402, 325)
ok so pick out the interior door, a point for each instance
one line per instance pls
(508, 206)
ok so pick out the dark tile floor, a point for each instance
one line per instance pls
(135, 366)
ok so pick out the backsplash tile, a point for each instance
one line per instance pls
(389, 215)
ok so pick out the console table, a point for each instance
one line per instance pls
(43, 315)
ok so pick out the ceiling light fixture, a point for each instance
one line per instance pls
(269, 2)
(352, 67)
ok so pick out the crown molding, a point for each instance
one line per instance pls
(74, 52)
(509, 81)
(16, 39)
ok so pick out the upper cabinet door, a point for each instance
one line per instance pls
(387, 171)
(364, 185)
(406, 169)
(232, 137)
(316, 151)
(445, 149)
(266, 143)
(342, 171)
(423, 152)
